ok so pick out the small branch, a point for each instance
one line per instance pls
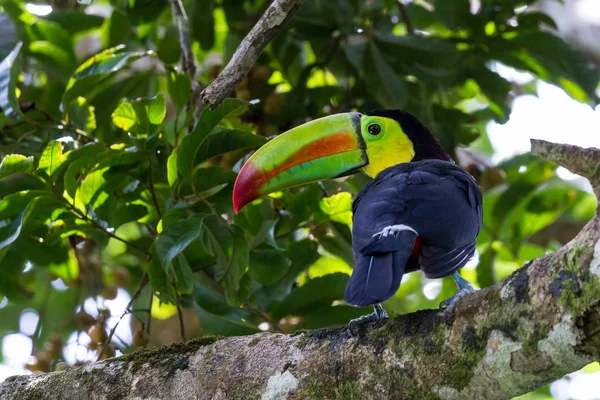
(143, 282)
(187, 57)
(270, 24)
(584, 162)
(404, 14)
(180, 316)
(183, 24)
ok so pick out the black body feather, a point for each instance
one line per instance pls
(439, 200)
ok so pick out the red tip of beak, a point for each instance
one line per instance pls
(246, 187)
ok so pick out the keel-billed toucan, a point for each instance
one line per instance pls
(421, 211)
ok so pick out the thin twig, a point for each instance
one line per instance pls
(270, 24)
(180, 315)
(149, 320)
(143, 282)
(187, 56)
(152, 193)
(404, 14)
(183, 25)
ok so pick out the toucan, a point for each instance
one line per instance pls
(421, 211)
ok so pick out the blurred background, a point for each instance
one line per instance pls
(484, 75)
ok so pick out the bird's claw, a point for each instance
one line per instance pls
(449, 304)
(377, 315)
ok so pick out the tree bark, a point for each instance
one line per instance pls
(527, 330)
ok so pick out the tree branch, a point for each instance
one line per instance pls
(270, 24)
(584, 162)
(404, 14)
(527, 330)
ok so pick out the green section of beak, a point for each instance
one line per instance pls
(321, 149)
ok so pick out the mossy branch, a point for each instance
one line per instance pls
(527, 330)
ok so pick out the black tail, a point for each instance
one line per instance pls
(377, 274)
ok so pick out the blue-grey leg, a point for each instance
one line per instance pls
(376, 315)
(463, 287)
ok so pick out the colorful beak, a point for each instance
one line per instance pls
(325, 148)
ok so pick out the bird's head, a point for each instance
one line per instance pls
(334, 146)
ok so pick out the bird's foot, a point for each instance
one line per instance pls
(392, 230)
(449, 304)
(379, 314)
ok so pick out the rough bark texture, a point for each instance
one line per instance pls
(530, 329)
(273, 20)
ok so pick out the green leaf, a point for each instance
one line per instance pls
(227, 243)
(81, 115)
(96, 69)
(339, 243)
(338, 207)
(140, 114)
(176, 237)
(13, 163)
(186, 151)
(322, 290)
(224, 140)
(209, 177)
(37, 208)
(237, 266)
(50, 160)
(52, 54)
(268, 266)
(218, 318)
(115, 29)
(183, 274)
(168, 46)
(73, 21)
(203, 24)
(156, 109)
(495, 88)
(172, 170)
(90, 185)
(10, 68)
(266, 233)
(161, 283)
(13, 204)
(382, 81)
(179, 89)
(124, 116)
(91, 153)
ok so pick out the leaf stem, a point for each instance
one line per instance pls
(152, 192)
(180, 316)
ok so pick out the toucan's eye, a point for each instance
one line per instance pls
(374, 129)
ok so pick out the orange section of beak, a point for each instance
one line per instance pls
(252, 181)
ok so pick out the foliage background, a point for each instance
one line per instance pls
(106, 176)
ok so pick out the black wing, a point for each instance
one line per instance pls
(438, 200)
